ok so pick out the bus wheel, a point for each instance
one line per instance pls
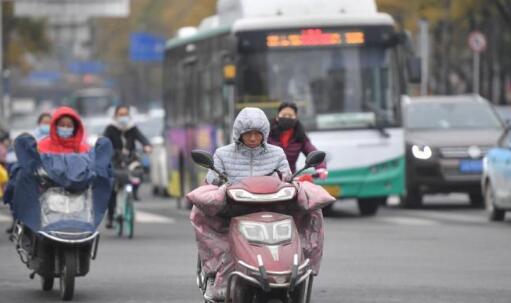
(369, 206)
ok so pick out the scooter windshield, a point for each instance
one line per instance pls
(59, 205)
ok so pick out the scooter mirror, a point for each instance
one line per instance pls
(203, 159)
(315, 158)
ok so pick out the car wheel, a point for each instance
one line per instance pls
(494, 213)
(412, 199)
(369, 206)
(476, 200)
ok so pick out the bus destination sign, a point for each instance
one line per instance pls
(314, 37)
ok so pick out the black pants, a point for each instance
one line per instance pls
(112, 204)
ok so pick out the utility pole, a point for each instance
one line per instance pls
(424, 54)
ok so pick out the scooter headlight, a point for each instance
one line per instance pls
(59, 205)
(267, 233)
(242, 195)
(66, 204)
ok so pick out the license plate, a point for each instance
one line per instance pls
(334, 190)
(471, 166)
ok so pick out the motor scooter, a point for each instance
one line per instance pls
(67, 240)
(58, 202)
(269, 264)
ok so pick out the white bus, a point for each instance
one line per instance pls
(343, 64)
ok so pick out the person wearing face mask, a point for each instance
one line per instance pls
(124, 134)
(66, 134)
(43, 126)
(287, 132)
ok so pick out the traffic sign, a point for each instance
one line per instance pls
(477, 42)
(146, 47)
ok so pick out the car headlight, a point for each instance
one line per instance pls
(267, 233)
(422, 152)
(242, 195)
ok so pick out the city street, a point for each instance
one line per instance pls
(446, 252)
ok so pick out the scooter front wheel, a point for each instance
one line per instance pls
(67, 275)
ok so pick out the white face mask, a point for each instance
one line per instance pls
(124, 120)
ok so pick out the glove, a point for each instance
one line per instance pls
(322, 173)
(305, 178)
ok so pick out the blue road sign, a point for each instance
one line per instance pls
(82, 67)
(146, 47)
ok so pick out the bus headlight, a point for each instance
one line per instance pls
(422, 152)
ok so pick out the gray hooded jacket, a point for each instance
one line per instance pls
(239, 161)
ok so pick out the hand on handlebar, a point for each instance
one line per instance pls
(322, 173)
(148, 149)
(305, 178)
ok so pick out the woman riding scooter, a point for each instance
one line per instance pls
(248, 156)
(58, 194)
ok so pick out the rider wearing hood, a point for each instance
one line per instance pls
(250, 154)
(66, 134)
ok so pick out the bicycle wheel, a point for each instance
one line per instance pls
(119, 213)
(129, 216)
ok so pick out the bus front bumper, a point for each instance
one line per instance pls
(379, 180)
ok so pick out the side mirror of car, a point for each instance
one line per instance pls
(203, 158)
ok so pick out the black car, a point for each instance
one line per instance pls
(446, 140)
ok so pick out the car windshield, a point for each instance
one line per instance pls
(459, 115)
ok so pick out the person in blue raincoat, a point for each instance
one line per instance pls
(68, 162)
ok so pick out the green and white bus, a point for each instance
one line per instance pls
(342, 62)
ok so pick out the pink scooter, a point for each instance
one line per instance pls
(264, 240)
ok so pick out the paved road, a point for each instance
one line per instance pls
(444, 253)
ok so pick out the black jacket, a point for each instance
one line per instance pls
(125, 140)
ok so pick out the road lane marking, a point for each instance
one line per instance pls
(410, 221)
(456, 218)
(145, 217)
(4, 218)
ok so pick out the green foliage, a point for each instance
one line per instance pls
(451, 22)
(22, 36)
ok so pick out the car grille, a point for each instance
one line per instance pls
(461, 152)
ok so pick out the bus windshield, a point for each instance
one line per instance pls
(334, 87)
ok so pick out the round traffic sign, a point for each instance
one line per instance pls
(477, 42)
